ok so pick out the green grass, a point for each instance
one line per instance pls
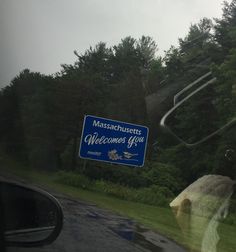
(156, 218)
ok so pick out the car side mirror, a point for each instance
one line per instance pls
(31, 217)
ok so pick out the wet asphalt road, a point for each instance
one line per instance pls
(88, 228)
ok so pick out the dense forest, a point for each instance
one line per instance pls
(41, 116)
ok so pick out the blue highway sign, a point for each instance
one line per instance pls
(113, 141)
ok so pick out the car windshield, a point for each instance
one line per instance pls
(125, 111)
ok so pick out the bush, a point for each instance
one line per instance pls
(118, 174)
(73, 179)
(154, 195)
(115, 190)
(164, 176)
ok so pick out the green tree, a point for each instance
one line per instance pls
(147, 49)
(225, 28)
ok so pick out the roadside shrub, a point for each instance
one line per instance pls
(164, 176)
(118, 174)
(73, 179)
(115, 190)
(154, 195)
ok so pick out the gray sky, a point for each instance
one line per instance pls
(42, 34)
